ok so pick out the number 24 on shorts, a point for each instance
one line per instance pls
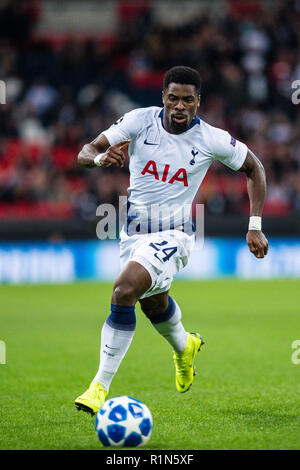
(168, 252)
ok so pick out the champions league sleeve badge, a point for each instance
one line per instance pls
(233, 141)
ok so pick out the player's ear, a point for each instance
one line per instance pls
(199, 100)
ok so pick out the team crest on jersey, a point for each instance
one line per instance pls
(194, 152)
(233, 141)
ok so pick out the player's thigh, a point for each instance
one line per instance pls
(155, 304)
(132, 283)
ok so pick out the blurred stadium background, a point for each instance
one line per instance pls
(72, 68)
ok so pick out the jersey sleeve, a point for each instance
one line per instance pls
(126, 127)
(228, 150)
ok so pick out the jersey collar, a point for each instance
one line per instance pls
(195, 120)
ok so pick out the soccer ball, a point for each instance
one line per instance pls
(123, 422)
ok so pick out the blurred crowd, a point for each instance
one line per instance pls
(62, 91)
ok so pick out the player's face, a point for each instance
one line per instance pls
(180, 103)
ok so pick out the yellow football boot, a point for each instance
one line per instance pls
(184, 362)
(92, 400)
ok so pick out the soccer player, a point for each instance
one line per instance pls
(170, 151)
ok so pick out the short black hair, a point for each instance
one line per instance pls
(183, 75)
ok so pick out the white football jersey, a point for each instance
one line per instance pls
(166, 169)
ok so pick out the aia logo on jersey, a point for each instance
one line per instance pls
(180, 175)
(233, 141)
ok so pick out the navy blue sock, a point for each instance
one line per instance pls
(122, 318)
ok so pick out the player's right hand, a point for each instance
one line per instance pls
(257, 243)
(114, 155)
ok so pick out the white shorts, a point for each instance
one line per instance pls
(162, 254)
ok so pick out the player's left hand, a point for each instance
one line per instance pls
(257, 242)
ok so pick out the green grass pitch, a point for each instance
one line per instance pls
(246, 394)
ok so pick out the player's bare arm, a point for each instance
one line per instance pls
(112, 155)
(256, 185)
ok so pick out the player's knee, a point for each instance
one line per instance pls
(124, 294)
